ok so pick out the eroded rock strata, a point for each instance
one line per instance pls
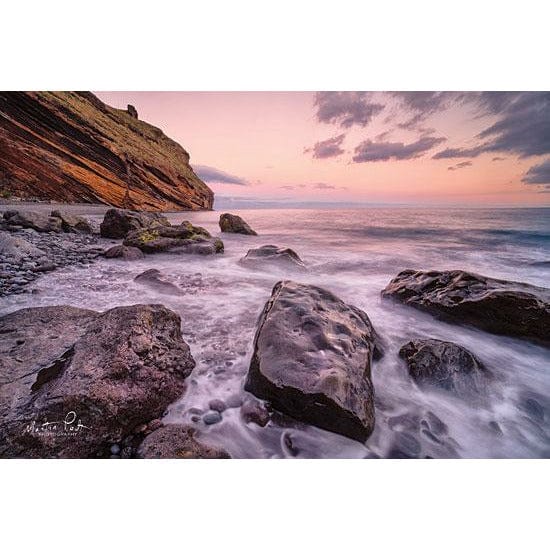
(72, 147)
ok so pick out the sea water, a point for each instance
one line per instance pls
(353, 253)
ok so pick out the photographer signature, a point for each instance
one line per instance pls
(69, 426)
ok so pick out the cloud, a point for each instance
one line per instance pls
(460, 165)
(292, 187)
(323, 186)
(420, 105)
(374, 151)
(497, 159)
(346, 108)
(538, 174)
(327, 148)
(212, 175)
(523, 128)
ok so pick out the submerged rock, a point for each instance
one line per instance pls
(254, 411)
(125, 252)
(312, 359)
(230, 223)
(501, 307)
(33, 220)
(185, 238)
(117, 223)
(153, 278)
(269, 256)
(74, 381)
(177, 441)
(71, 223)
(445, 365)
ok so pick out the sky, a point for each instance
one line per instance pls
(428, 148)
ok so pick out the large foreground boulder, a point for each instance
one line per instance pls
(445, 365)
(185, 238)
(312, 359)
(177, 441)
(33, 220)
(501, 307)
(270, 256)
(75, 381)
(118, 223)
(230, 223)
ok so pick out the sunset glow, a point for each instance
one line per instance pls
(360, 146)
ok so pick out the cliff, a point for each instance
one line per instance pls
(72, 147)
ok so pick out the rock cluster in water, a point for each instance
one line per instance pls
(501, 307)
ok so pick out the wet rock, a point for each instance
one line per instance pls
(254, 411)
(177, 441)
(269, 256)
(115, 449)
(102, 376)
(312, 359)
(404, 445)
(230, 223)
(117, 223)
(71, 223)
(33, 220)
(445, 365)
(234, 401)
(501, 307)
(212, 417)
(153, 279)
(185, 238)
(217, 405)
(129, 253)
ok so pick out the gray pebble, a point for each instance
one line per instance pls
(212, 417)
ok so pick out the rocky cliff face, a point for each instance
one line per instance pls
(70, 146)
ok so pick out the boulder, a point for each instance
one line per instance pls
(71, 223)
(132, 111)
(230, 223)
(254, 411)
(445, 365)
(501, 307)
(185, 238)
(124, 252)
(312, 359)
(75, 381)
(16, 248)
(177, 441)
(33, 220)
(117, 223)
(153, 279)
(269, 256)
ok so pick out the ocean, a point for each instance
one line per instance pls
(354, 253)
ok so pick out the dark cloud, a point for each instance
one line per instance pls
(420, 105)
(373, 151)
(460, 165)
(538, 174)
(523, 128)
(213, 175)
(346, 108)
(327, 148)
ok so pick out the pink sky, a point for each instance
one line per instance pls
(266, 140)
